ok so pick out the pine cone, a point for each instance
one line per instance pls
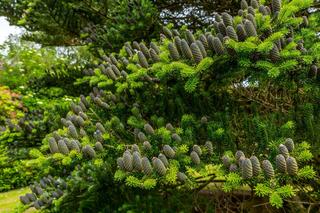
(174, 54)
(289, 144)
(31, 197)
(189, 37)
(177, 43)
(176, 137)
(146, 166)
(186, 50)
(147, 145)
(195, 158)
(74, 145)
(239, 154)
(250, 29)
(135, 148)
(128, 51)
(226, 161)
(83, 107)
(98, 146)
(145, 50)
(263, 10)
(283, 150)
(276, 6)
(197, 149)
(111, 74)
(164, 159)
(155, 47)
(240, 12)
(24, 200)
(169, 127)
(254, 4)
(251, 11)
(292, 166)
(72, 131)
(268, 169)
(142, 60)
(175, 32)
(181, 177)
(127, 161)
(84, 101)
(38, 204)
(204, 41)
(100, 128)
(113, 60)
(255, 166)
(80, 121)
(281, 163)
(244, 5)
(159, 166)
(196, 52)
(217, 18)
(148, 129)
(242, 35)
(227, 19)
(154, 56)
(120, 163)
(217, 45)
(168, 151)
(274, 54)
(142, 137)
(232, 33)
(88, 151)
(233, 168)
(246, 168)
(136, 161)
(167, 32)
(115, 70)
(201, 48)
(63, 147)
(53, 146)
(222, 28)
(251, 18)
(209, 147)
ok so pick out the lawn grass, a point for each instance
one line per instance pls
(10, 200)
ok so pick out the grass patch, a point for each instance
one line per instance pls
(10, 200)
